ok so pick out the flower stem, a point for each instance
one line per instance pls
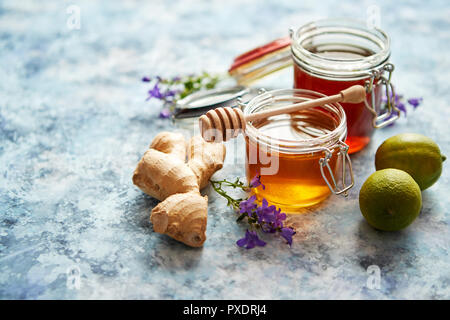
(218, 187)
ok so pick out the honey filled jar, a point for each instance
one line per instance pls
(329, 56)
(301, 157)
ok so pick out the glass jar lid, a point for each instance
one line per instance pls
(189, 109)
(340, 48)
(200, 102)
(261, 61)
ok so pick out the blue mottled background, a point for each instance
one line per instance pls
(74, 123)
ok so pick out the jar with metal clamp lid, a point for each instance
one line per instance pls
(302, 157)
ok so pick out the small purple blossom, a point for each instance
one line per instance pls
(170, 93)
(398, 103)
(164, 114)
(250, 240)
(170, 90)
(248, 205)
(265, 212)
(256, 182)
(287, 234)
(398, 100)
(270, 219)
(401, 106)
(415, 102)
(279, 218)
(155, 93)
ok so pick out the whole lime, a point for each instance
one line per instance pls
(390, 200)
(414, 153)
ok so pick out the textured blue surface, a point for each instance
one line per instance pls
(74, 123)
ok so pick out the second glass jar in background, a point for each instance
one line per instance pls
(301, 157)
(332, 55)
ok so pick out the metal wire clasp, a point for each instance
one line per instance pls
(324, 163)
(376, 78)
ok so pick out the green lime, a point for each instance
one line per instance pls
(414, 153)
(390, 200)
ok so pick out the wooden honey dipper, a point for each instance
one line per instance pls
(222, 124)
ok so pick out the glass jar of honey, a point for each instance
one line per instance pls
(329, 56)
(301, 157)
(332, 55)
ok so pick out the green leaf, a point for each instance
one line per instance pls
(189, 85)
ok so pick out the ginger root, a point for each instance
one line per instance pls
(182, 216)
(170, 142)
(164, 174)
(204, 158)
(160, 175)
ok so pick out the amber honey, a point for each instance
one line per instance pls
(297, 184)
(297, 154)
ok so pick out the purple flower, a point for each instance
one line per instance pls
(266, 214)
(164, 114)
(401, 106)
(256, 182)
(270, 219)
(170, 93)
(175, 79)
(155, 92)
(279, 218)
(397, 98)
(146, 79)
(287, 234)
(415, 102)
(397, 101)
(248, 205)
(250, 240)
